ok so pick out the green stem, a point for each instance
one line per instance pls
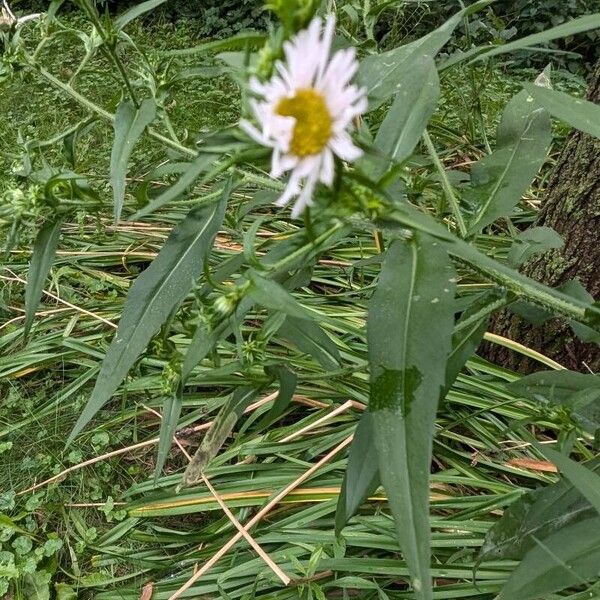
(110, 49)
(450, 196)
(65, 87)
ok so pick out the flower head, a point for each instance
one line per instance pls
(305, 112)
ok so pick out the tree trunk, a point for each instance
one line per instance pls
(572, 207)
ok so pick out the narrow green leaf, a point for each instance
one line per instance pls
(566, 29)
(241, 41)
(219, 431)
(287, 386)
(153, 296)
(134, 12)
(569, 557)
(270, 294)
(129, 124)
(578, 113)
(536, 515)
(585, 480)
(468, 333)
(577, 392)
(362, 472)
(531, 242)
(310, 338)
(499, 180)
(574, 289)
(417, 93)
(168, 425)
(410, 322)
(381, 73)
(189, 176)
(44, 250)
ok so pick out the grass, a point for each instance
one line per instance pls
(107, 529)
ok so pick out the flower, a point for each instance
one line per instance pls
(306, 110)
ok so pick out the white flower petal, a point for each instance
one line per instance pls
(327, 168)
(343, 147)
(308, 65)
(254, 133)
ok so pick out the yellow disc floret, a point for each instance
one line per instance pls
(312, 129)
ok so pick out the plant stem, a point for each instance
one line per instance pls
(110, 49)
(450, 196)
(68, 89)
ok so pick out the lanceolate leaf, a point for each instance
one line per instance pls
(129, 125)
(581, 114)
(536, 515)
(382, 74)
(585, 480)
(564, 30)
(310, 338)
(189, 176)
(135, 12)
(499, 180)
(417, 93)
(569, 557)
(44, 250)
(272, 295)
(411, 317)
(531, 242)
(287, 386)
(168, 425)
(153, 296)
(469, 332)
(362, 472)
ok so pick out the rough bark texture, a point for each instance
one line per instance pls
(572, 207)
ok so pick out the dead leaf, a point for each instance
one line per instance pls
(534, 465)
(147, 591)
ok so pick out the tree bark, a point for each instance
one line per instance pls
(572, 207)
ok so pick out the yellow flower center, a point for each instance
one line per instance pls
(312, 129)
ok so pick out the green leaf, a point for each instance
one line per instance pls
(287, 387)
(44, 250)
(554, 386)
(134, 12)
(568, 557)
(310, 338)
(168, 425)
(189, 176)
(152, 298)
(382, 73)
(409, 327)
(574, 289)
(270, 294)
(585, 480)
(37, 585)
(566, 29)
(220, 429)
(129, 124)
(468, 333)
(531, 242)
(536, 515)
(578, 113)
(499, 180)
(578, 392)
(241, 41)
(417, 94)
(362, 472)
